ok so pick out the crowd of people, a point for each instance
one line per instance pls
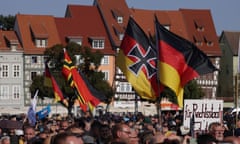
(111, 128)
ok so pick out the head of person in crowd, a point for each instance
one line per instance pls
(165, 127)
(156, 139)
(216, 129)
(29, 133)
(148, 126)
(5, 140)
(105, 133)
(205, 139)
(121, 133)
(64, 124)
(52, 126)
(66, 138)
(145, 136)
(95, 129)
(231, 140)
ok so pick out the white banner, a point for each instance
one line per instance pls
(203, 112)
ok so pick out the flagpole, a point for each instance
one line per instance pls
(236, 94)
(136, 104)
(236, 81)
(159, 111)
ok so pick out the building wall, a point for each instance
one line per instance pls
(226, 74)
(110, 68)
(32, 66)
(11, 87)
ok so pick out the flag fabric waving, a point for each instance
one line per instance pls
(179, 61)
(86, 97)
(137, 60)
(50, 81)
(32, 110)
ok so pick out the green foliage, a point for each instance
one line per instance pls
(37, 84)
(191, 91)
(7, 22)
(88, 63)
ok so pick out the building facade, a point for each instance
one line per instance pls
(11, 71)
(229, 43)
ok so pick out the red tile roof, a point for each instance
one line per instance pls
(182, 22)
(107, 8)
(170, 18)
(84, 22)
(7, 38)
(40, 26)
(201, 18)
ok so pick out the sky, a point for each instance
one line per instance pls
(225, 13)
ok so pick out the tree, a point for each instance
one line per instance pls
(191, 91)
(7, 22)
(87, 61)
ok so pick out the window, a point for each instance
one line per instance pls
(98, 44)
(106, 75)
(76, 39)
(16, 71)
(16, 92)
(33, 75)
(4, 71)
(199, 25)
(41, 43)
(120, 19)
(4, 92)
(34, 59)
(125, 87)
(167, 27)
(105, 60)
(121, 35)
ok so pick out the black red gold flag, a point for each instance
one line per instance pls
(50, 81)
(179, 61)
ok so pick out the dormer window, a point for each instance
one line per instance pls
(119, 31)
(76, 39)
(120, 19)
(39, 35)
(208, 41)
(97, 43)
(12, 41)
(117, 14)
(41, 43)
(121, 35)
(198, 40)
(167, 27)
(199, 25)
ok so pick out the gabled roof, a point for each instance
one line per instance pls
(83, 22)
(182, 22)
(196, 19)
(233, 40)
(8, 38)
(109, 9)
(30, 27)
(166, 18)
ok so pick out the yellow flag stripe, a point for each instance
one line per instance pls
(139, 82)
(170, 78)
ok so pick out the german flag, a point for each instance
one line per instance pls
(86, 95)
(137, 60)
(50, 81)
(179, 61)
